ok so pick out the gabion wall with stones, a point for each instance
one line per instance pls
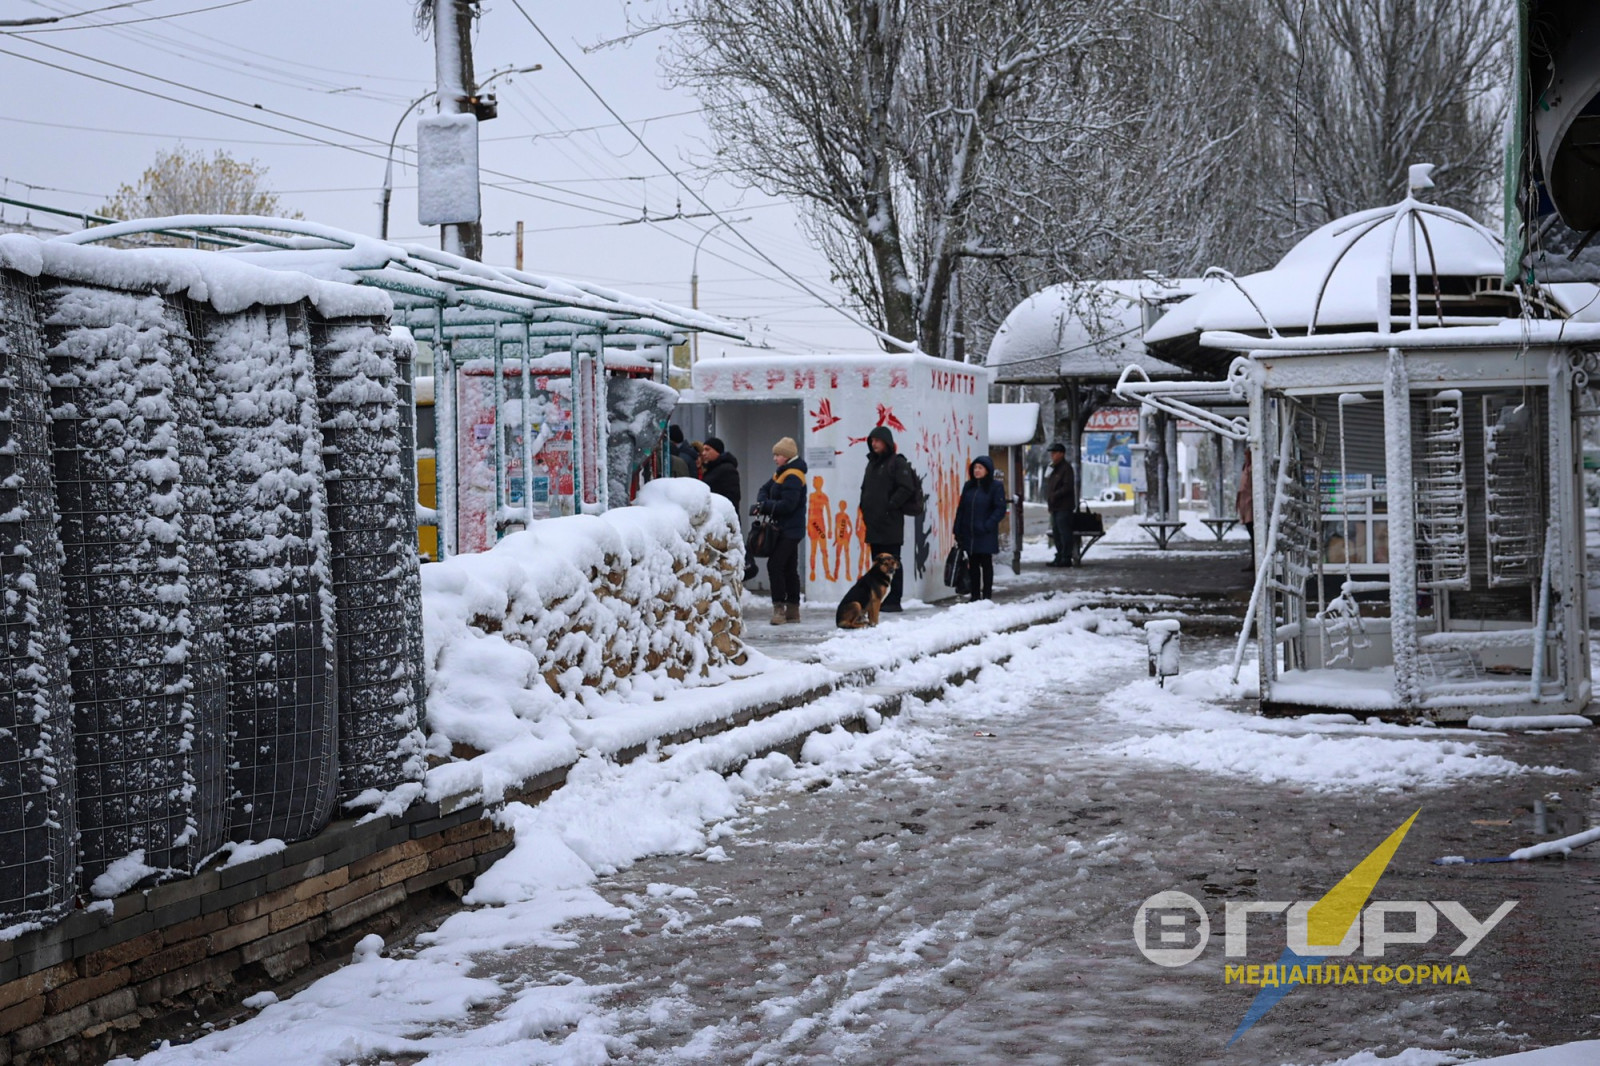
(209, 583)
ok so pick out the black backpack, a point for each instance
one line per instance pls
(917, 506)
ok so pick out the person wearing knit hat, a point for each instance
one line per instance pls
(783, 500)
(719, 469)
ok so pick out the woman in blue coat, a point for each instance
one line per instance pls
(977, 526)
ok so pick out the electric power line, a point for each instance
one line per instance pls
(880, 334)
(127, 22)
(295, 133)
(62, 16)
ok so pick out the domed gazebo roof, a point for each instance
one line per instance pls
(1330, 282)
(1084, 331)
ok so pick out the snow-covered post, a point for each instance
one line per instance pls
(1402, 526)
(445, 429)
(525, 423)
(602, 426)
(497, 514)
(1567, 562)
(574, 420)
(1162, 644)
(452, 56)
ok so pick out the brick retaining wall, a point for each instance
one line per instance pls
(81, 990)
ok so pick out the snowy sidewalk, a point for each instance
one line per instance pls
(958, 887)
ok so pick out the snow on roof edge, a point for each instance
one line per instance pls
(223, 282)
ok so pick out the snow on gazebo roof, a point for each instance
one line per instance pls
(1083, 330)
(1412, 263)
(430, 290)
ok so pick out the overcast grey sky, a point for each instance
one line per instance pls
(354, 65)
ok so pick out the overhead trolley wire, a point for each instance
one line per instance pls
(559, 54)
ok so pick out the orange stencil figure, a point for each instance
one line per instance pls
(817, 526)
(861, 535)
(842, 528)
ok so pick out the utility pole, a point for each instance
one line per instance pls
(457, 95)
(519, 244)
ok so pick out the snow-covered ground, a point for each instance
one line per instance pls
(957, 885)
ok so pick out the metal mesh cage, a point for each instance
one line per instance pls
(372, 528)
(140, 584)
(38, 823)
(270, 508)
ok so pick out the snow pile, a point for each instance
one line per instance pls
(261, 420)
(1322, 752)
(575, 617)
(606, 817)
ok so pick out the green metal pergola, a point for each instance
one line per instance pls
(448, 301)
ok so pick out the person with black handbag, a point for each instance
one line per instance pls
(977, 525)
(781, 502)
(1061, 497)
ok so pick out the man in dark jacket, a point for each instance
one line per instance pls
(888, 488)
(721, 470)
(977, 525)
(783, 499)
(1061, 495)
(680, 450)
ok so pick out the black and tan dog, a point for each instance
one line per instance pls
(865, 598)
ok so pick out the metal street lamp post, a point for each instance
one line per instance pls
(694, 282)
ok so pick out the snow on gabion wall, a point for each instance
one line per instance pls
(261, 420)
(38, 822)
(140, 583)
(372, 528)
(633, 601)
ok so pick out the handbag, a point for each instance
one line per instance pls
(763, 538)
(1088, 522)
(957, 570)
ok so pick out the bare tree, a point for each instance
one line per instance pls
(181, 182)
(1365, 88)
(954, 155)
(890, 120)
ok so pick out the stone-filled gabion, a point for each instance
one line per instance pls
(38, 822)
(140, 585)
(261, 420)
(376, 584)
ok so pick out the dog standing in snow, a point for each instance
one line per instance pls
(865, 598)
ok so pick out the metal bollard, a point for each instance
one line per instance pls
(1162, 641)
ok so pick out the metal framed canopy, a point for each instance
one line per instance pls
(439, 296)
(446, 300)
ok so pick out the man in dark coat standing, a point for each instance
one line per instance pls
(1061, 495)
(721, 471)
(888, 488)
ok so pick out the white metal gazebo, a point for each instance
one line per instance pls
(1417, 475)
